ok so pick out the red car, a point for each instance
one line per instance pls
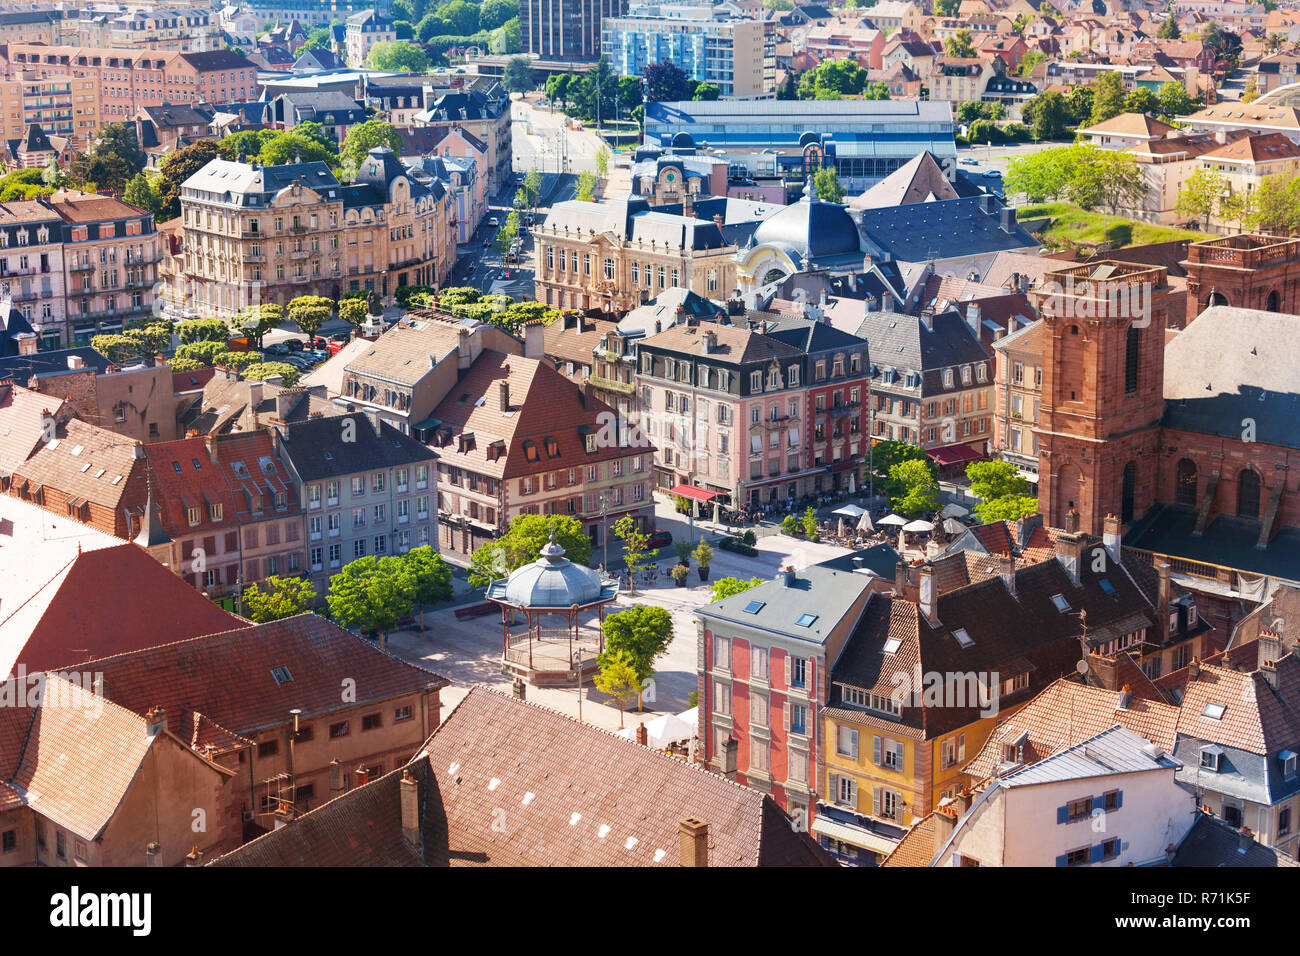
(659, 539)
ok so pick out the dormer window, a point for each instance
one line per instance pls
(1288, 760)
(1059, 602)
(530, 451)
(947, 378)
(1211, 758)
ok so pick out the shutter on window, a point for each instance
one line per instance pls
(1119, 799)
(854, 738)
(875, 751)
(898, 755)
(1099, 803)
(853, 793)
(785, 708)
(961, 747)
(811, 678)
(787, 669)
(834, 782)
(1063, 815)
(875, 801)
(1096, 852)
(1061, 860)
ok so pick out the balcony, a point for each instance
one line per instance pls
(609, 385)
(82, 267)
(783, 421)
(848, 408)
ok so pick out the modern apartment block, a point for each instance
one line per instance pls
(129, 79)
(62, 104)
(269, 234)
(565, 29)
(738, 56)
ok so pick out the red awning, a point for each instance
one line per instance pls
(954, 454)
(695, 494)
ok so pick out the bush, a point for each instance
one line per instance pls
(683, 549)
(750, 538)
(791, 525)
(737, 546)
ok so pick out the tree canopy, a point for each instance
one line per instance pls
(364, 137)
(917, 488)
(371, 594)
(398, 56)
(177, 167)
(277, 598)
(522, 544)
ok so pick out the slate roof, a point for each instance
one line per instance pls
(216, 60)
(226, 676)
(224, 405)
(1221, 369)
(581, 796)
(902, 342)
(811, 336)
(828, 593)
(735, 345)
(944, 229)
(1114, 750)
(1213, 843)
(80, 612)
(23, 368)
(308, 443)
(917, 180)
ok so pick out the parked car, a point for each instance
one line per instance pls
(294, 345)
(344, 337)
(279, 348)
(318, 343)
(659, 539)
(493, 222)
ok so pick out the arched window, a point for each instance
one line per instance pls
(1248, 494)
(1216, 298)
(1131, 354)
(1185, 483)
(1128, 488)
(1274, 303)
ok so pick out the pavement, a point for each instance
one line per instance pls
(469, 652)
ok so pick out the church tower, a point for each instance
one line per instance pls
(1103, 391)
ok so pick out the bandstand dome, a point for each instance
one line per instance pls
(552, 581)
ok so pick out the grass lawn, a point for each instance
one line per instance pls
(1075, 224)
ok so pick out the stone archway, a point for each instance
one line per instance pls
(1185, 481)
(1215, 298)
(1273, 303)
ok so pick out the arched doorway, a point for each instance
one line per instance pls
(1274, 302)
(1185, 483)
(1128, 489)
(1216, 298)
(1248, 494)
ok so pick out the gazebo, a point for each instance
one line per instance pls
(556, 600)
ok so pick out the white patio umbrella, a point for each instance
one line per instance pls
(627, 733)
(953, 526)
(893, 519)
(668, 729)
(839, 527)
(691, 718)
(918, 525)
(850, 511)
(954, 511)
(864, 523)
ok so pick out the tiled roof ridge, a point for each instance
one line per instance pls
(749, 791)
(250, 629)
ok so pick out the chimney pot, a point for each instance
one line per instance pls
(410, 793)
(642, 735)
(928, 600)
(503, 388)
(1111, 537)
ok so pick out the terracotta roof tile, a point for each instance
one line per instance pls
(917, 846)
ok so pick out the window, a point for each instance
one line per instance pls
(722, 653)
(798, 669)
(721, 698)
(846, 741)
(1059, 602)
(1210, 758)
(8, 841)
(1077, 857)
(846, 791)
(758, 710)
(371, 722)
(806, 620)
(1213, 711)
(891, 804)
(339, 730)
(268, 748)
(887, 753)
(952, 751)
(402, 713)
(1077, 810)
(758, 755)
(758, 663)
(60, 844)
(798, 718)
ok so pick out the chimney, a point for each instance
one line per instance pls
(1104, 669)
(26, 343)
(963, 800)
(1193, 670)
(1220, 136)
(1125, 697)
(194, 857)
(534, 347)
(1110, 537)
(927, 318)
(928, 599)
(886, 302)
(283, 816)
(659, 326)
(787, 576)
(572, 321)
(410, 799)
(336, 778)
(642, 735)
(155, 720)
(1007, 220)
(463, 357)
(1069, 551)
(285, 399)
(1170, 852)
(1268, 670)
(1164, 595)
(717, 220)
(1007, 570)
(901, 580)
(730, 752)
(693, 838)
(1245, 840)
(153, 855)
(973, 318)
(710, 340)
(254, 396)
(946, 816)
(1270, 646)
(867, 261)
(1072, 521)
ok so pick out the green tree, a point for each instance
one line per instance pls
(602, 161)
(1007, 508)
(364, 137)
(1080, 102)
(371, 594)
(1042, 175)
(430, 578)
(294, 146)
(586, 186)
(832, 80)
(260, 371)
(533, 186)
(117, 348)
(1047, 114)
(518, 76)
(1169, 29)
(309, 313)
(277, 598)
(617, 677)
(1108, 97)
(1174, 100)
(876, 91)
(959, 45)
(1201, 194)
(809, 522)
(256, 320)
(201, 351)
(640, 635)
(236, 360)
(1276, 205)
(495, 13)
(507, 38)
(885, 455)
(918, 488)
(461, 17)
(177, 167)
(1106, 179)
(118, 139)
(789, 90)
(995, 479)
(150, 338)
(946, 8)
(706, 92)
(522, 544)
(636, 547)
(140, 193)
(1141, 100)
(398, 56)
(1251, 92)
(665, 82)
(203, 330)
(827, 182)
(730, 586)
(1029, 61)
(353, 311)
(318, 39)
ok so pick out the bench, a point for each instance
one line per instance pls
(475, 610)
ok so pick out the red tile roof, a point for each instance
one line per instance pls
(107, 601)
(917, 846)
(184, 477)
